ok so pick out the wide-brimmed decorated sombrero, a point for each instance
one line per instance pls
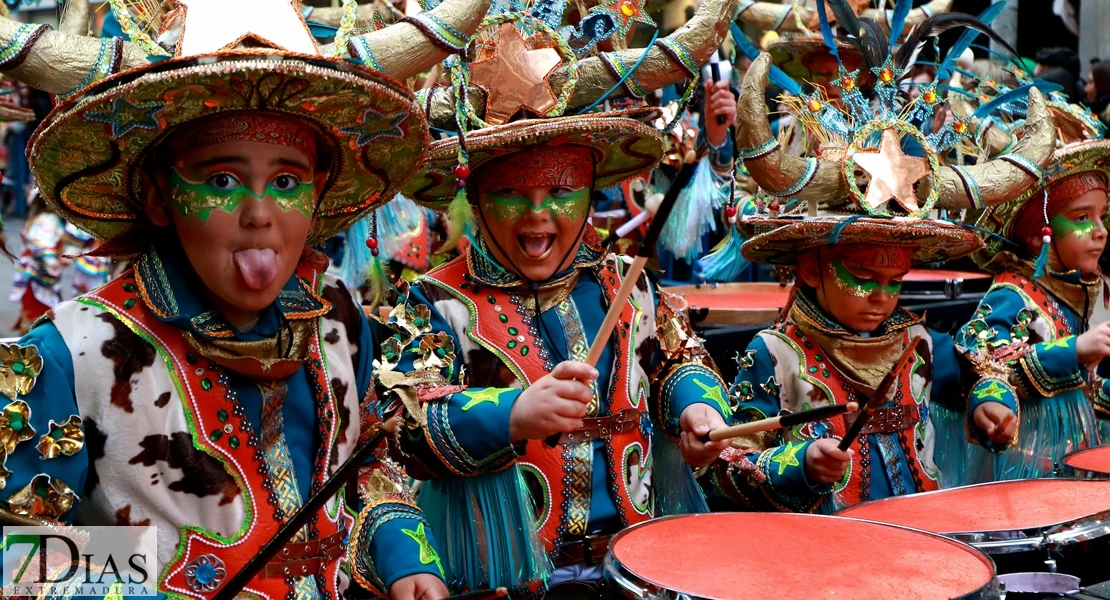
(524, 86)
(862, 167)
(227, 58)
(1073, 159)
(780, 240)
(623, 147)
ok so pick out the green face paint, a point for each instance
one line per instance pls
(199, 199)
(571, 205)
(1065, 227)
(848, 282)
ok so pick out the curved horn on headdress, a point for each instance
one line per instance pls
(392, 50)
(669, 60)
(1002, 178)
(771, 16)
(778, 173)
(914, 18)
(57, 62)
(75, 19)
(994, 140)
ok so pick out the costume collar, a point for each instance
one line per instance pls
(863, 361)
(1069, 287)
(807, 312)
(171, 289)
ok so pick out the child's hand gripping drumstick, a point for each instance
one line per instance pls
(780, 422)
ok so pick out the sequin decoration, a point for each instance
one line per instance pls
(205, 573)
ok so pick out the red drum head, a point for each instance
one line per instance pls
(752, 556)
(1091, 460)
(1001, 506)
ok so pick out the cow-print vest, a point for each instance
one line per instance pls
(159, 428)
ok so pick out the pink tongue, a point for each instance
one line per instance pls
(259, 267)
(535, 246)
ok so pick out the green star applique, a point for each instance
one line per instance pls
(788, 456)
(428, 554)
(713, 394)
(492, 395)
(994, 391)
(1064, 342)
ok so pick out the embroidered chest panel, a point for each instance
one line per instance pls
(1050, 321)
(559, 478)
(164, 428)
(805, 378)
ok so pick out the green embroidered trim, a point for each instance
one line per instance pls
(13, 54)
(361, 48)
(619, 70)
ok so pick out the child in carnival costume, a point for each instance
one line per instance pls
(843, 334)
(89, 272)
(213, 388)
(534, 458)
(1031, 338)
(37, 282)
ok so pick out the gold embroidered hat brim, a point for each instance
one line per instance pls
(779, 240)
(88, 155)
(624, 147)
(1079, 157)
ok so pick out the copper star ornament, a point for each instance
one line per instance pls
(214, 25)
(515, 77)
(892, 173)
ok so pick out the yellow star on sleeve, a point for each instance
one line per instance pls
(1064, 342)
(788, 456)
(486, 395)
(428, 554)
(713, 394)
(994, 391)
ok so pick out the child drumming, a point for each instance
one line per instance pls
(1029, 338)
(213, 388)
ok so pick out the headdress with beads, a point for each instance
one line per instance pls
(193, 59)
(861, 168)
(529, 80)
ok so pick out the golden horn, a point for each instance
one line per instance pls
(1000, 180)
(770, 16)
(75, 19)
(700, 36)
(774, 170)
(994, 140)
(396, 54)
(57, 62)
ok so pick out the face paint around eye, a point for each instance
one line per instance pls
(1065, 227)
(848, 282)
(199, 199)
(510, 208)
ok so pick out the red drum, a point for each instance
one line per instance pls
(1022, 519)
(751, 556)
(1090, 462)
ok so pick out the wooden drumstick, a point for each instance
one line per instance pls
(779, 422)
(646, 252)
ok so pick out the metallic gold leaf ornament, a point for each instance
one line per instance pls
(19, 367)
(45, 497)
(64, 439)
